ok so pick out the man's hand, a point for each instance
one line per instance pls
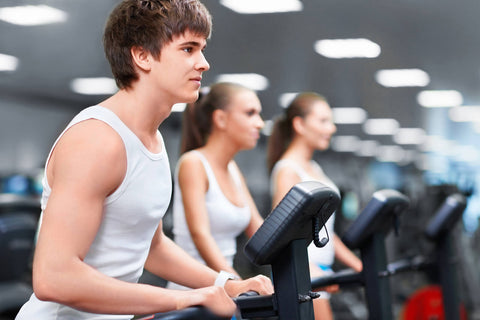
(213, 298)
(260, 284)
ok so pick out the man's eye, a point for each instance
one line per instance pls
(187, 49)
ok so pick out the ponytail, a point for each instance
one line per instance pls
(278, 141)
(191, 136)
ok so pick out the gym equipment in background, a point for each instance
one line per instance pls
(367, 233)
(443, 263)
(18, 224)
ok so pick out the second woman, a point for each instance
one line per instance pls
(212, 204)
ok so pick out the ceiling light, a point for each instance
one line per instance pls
(179, 107)
(263, 6)
(467, 153)
(32, 15)
(345, 143)
(409, 156)
(286, 98)
(409, 136)
(438, 144)
(390, 154)
(349, 115)
(380, 126)
(367, 148)
(267, 127)
(347, 48)
(8, 63)
(253, 81)
(421, 162)
(465, 114)
(402, 78)
(439, 98)
(93, 86)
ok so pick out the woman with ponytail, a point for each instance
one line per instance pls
(212, 204)
(305, 127)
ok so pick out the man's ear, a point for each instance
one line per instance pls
(219, 118)
(298, 125)
(141, 58)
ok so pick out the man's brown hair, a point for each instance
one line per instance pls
(149, 24)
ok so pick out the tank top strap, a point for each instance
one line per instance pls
(129, 137)
(234, 171)
(99, 113)
(212, 181)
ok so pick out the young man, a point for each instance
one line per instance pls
(107, 181)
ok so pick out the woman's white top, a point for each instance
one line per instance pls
(226, 219)
(319, 256)
(131, 216)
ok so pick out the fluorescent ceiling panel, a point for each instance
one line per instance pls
(262, 6)
(409, 136)
(421, 162)
(179, 107)
(32, 15)
(367, 148)
(8, 63)
(439, 98)
(390, 154)
(380, 126)
(402, 78)
(466, 153)
(465, 114)
(438, 144)
(349, 115)
(253, 81)
(267, 127)
(285, 98)
(347, 48)
(93, 86)
(345, 143)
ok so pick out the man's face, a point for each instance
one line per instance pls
(178, 72)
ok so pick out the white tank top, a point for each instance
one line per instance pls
(227, 220)
(131, 216)
(319, 256)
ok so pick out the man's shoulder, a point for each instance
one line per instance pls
(93, 135)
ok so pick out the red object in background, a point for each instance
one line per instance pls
(427, 304)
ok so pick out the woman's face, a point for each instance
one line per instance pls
(318, 126)
(243, 119)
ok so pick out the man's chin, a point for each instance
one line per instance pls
(193, 98)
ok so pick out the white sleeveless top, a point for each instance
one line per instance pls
(319, 256)
(131, 216)
(227, 220)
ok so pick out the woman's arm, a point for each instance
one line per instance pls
(166, 258)
(193, 183)
(345, 255)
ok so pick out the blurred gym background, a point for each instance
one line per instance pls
(403, 79)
